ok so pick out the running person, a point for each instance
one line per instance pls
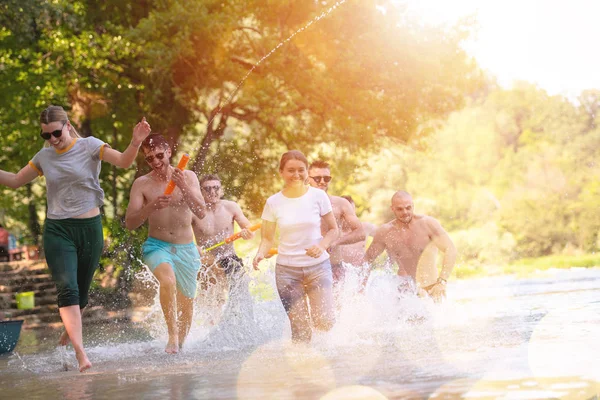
(351, 229)
(216, 225)
(169, 252)
(303, 272)
(73, 238)
(354, 253)
(412, 241)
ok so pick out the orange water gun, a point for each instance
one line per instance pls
(231, 238)
(182, 163)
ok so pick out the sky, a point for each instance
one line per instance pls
(555, 44)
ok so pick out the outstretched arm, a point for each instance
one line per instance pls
(357, 233)
(267, 232)
(444, 244)
(375, 249)
(126, 158)
(14, 181)
(332, 234)
(242, 221)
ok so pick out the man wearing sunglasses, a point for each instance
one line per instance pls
(223, 264)
(351, 229)
(412, 241)
(169, 252)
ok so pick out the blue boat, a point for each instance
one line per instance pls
(9, 335)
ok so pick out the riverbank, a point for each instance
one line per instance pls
(527, 267)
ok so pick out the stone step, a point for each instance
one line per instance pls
(39, 293)
(38, 309)
(24, 269)
(11, 266)
(88, 319)
(29, 287)
(7, 300)
(20, 280)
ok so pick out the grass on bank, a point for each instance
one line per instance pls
(528, 266)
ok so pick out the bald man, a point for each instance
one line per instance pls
(412, 241)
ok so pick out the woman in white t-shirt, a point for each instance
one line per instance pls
(303, 272)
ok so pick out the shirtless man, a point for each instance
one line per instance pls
(351, 230)
(355, 252)
(169, 252)
(412, 241)
(216, 225)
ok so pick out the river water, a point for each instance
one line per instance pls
(496, 337)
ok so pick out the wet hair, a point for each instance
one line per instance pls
(57, 114)
(210, 177)
(349, 198)
(153, 141)
(319, 164)
(292, 155)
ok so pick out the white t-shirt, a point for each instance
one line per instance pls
(299, 221)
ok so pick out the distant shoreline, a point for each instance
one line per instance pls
(527, 266)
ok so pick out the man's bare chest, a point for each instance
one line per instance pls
(151, 193)
(215, 223)
(407, 243)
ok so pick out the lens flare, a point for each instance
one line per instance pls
(302, 369)
(565, 343)
(355, 392)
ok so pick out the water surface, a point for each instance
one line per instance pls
(502, 337)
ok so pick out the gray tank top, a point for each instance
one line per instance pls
(72, 186)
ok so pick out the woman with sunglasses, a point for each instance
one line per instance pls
(303, 271)
(72, 237)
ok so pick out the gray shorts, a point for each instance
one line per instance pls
(306, 288)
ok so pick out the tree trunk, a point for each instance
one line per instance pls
(211, 135)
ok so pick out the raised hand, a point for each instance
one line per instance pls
(141, 131)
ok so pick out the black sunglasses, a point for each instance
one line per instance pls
(317, 179)
(57, 133)
(159, 156)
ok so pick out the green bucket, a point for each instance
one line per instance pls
(25, 300)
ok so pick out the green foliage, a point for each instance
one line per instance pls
(485, 245)
(558, 261)
(512, 175)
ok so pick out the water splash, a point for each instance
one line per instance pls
(467, 339)
(237, 88)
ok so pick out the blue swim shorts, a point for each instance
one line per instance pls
(183, 258)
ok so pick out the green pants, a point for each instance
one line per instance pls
(73, 247)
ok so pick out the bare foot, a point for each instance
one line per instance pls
(64, 339)
(172, 346)
(84, 363)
